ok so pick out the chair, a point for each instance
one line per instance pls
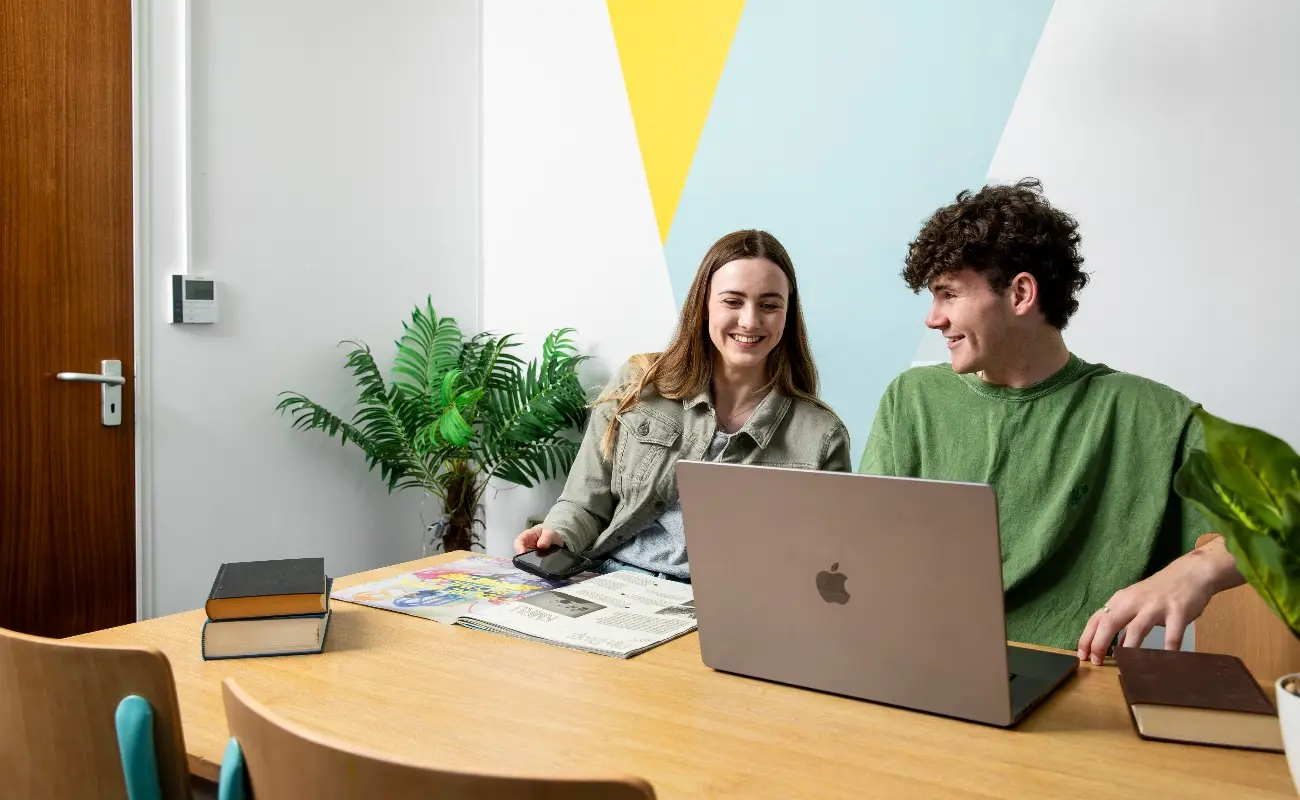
(87, 720)
(1237, 622)
(288, 762)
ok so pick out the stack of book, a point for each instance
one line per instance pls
(267, 608)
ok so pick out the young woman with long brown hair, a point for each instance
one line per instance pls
(736, 384)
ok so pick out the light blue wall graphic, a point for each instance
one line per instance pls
(840, 126)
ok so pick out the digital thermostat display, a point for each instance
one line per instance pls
(193, 299)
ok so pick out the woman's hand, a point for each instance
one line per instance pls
(537, 538)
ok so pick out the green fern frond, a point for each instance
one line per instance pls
(546, 399)
(365, 371)
(537, 461)
(308, 415)
(428, 348)
(372, 432)
(454, 429)
(493, 367)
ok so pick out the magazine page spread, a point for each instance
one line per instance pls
(618, 614)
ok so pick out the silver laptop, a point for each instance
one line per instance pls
(884, 589)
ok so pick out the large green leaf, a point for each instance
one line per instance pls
(1259, 467)
(1247, 482)
(453, 427)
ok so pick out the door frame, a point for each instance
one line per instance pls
(160, 200)
(140, 306)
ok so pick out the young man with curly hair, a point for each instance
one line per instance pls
(1082, 457)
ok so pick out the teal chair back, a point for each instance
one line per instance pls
(85, 720)
(234, 783)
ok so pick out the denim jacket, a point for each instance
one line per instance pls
(607, 501)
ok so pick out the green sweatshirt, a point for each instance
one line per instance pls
(1083, 467)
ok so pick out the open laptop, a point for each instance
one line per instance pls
(884, 589)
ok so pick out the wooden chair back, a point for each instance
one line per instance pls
(289, 762)
(58, 704)
(1237, 622)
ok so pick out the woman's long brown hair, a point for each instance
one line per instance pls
(685, 367)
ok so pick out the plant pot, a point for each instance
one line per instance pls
(1288, 714)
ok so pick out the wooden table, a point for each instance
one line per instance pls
(465, 699)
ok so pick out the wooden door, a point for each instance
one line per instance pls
(67, 495)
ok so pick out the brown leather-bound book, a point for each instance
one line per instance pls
(1197, 698)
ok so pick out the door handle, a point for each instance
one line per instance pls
(110, 382)
(90, 377)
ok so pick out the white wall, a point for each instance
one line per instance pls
(569, 235)
(1169, 129)
(334, 157)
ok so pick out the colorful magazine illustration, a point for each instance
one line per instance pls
(445, 592)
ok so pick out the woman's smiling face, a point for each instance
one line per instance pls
(747, 309)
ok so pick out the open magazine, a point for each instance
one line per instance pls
(619, 614)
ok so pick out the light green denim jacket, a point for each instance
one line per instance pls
(606, 502)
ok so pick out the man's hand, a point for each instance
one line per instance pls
(1173, 597)
(537, 538)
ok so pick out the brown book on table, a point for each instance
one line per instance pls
(1197, 698)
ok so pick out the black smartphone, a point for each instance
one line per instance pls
(553, 563)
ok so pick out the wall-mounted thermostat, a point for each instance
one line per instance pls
(194, 299)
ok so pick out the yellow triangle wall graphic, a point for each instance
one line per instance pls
(672, 53)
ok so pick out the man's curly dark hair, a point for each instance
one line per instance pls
(1001, 231)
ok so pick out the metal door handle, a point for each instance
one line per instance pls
(110, 382)
(88, 377)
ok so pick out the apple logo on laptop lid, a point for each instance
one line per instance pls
(830, 585)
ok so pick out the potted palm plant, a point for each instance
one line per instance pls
(460, 412)
(1247, 482)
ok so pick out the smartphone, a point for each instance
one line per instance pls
(553, 563)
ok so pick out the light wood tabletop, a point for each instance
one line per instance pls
(464, 699)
